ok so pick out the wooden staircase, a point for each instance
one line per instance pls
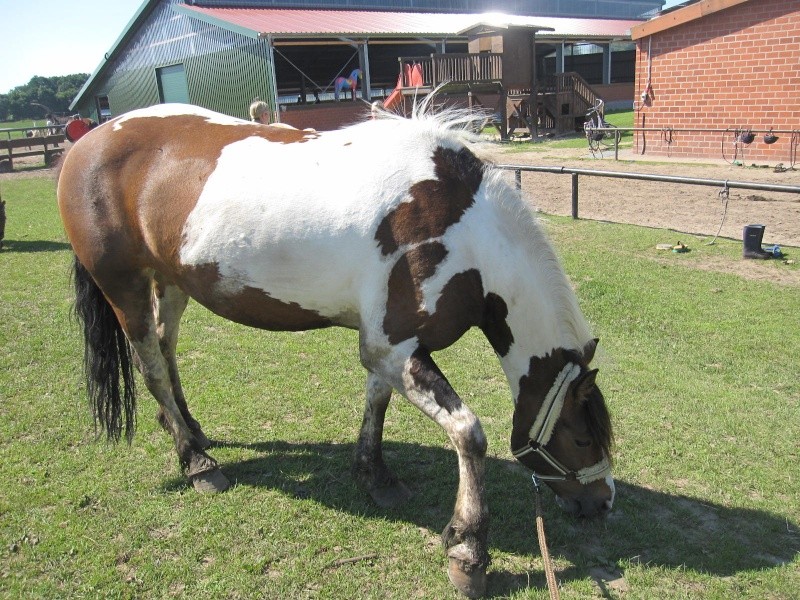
(563, 99)
(566, 98)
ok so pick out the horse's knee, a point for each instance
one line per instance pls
(468, 436)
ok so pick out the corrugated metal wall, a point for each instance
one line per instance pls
(224, 70)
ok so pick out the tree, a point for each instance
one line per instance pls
(56, 93)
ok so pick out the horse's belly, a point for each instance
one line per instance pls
(292, 285)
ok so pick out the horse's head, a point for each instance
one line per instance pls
(356, 75)
(562, 430)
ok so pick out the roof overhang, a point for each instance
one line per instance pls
(680, 16)
(283, 24)
(140, 15)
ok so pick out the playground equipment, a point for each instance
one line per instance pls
(411, 77)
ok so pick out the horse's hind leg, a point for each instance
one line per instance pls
(133, 303)
(169, 303)
(368, 466)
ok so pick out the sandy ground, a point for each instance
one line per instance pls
(687, 209)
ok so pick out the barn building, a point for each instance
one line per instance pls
(222, 54)
(713, 74)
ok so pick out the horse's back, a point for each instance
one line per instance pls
(237, 213)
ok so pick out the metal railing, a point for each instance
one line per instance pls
(725, 184)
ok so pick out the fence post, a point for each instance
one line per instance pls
(518, 179)
(616, 144)
(574, 195)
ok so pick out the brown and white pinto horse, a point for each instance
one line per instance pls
(172, 202)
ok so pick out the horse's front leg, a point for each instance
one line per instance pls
(368, 467)
(465, 537)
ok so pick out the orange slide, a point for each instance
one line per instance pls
(394, 97)
(413, 78)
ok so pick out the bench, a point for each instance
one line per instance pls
(48, 146)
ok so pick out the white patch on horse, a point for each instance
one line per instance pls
(298, 221)
(163, 111)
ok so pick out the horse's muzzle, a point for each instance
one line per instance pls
(593, 500)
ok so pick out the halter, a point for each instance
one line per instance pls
(542, 430)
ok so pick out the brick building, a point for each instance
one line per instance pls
(725, 65)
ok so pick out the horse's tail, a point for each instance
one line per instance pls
(106, 355)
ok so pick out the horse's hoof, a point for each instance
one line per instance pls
(391, 496)
(470, 582)
(210, 482)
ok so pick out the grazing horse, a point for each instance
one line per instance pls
(173, 201)
(342, 84)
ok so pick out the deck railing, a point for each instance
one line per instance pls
(435, 69)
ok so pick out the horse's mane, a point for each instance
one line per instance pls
(524, 226)
(519, 217)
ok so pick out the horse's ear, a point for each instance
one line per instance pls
(588, 350)
(584, 384)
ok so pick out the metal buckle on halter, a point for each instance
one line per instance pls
(584, 476)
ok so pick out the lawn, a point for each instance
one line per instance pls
(699, 369)
(620, 118)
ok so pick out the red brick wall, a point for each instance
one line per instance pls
(738, 68)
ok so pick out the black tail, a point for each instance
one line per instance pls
(106, 354)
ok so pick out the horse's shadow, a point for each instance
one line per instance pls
(646, 526)
(25, 246)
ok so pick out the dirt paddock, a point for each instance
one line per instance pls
(688, 209)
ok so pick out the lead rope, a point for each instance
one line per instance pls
(552, 585)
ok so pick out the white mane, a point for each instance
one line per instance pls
(520, 222)
(524, 227)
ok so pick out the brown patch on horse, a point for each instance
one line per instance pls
(141, 180)
(403, 313)
(459, 307)
(436, 203)
(495, 327)
(542, 373)
(589, 406)
(125, 195)
(460, 304)
(249, 306)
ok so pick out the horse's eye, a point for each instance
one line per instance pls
(583, 443)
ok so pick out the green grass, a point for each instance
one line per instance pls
(622, 118)
(26, 123)
(699, 369)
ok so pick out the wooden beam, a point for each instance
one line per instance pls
(681, 16)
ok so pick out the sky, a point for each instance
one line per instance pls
(58, 37)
